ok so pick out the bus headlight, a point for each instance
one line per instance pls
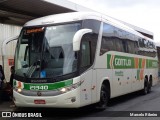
(63, 90)
(69, 88)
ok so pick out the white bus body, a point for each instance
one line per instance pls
(84, 58)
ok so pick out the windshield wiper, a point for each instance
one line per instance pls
(33, 68)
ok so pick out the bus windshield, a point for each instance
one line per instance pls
(46, 52)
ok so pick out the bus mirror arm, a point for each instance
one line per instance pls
(77, 38)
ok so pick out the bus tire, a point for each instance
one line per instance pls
(145, 89)
(104, 98)
(149, 86)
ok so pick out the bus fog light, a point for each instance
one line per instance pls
(19, 90)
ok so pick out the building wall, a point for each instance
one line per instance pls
(7, 31)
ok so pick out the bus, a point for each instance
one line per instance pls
(77, 59)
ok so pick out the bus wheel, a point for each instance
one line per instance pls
(104, 98)
(145, 89)
(149, 87)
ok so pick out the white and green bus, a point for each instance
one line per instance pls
(76, 59)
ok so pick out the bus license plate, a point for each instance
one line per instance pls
(39, 101)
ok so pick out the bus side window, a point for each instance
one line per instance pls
(125, 46)
(119, 45)
(142, 42)
(132, 47)
(85, 54)
(107, 44)
(136, 47)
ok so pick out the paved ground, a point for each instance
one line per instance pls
(118, 108)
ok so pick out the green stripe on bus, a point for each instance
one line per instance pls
(138, 74)
(124, 62)
(51, 86)
(14, 82)
(140, 63)
(152, 64)
(108, 61)
(147, 63)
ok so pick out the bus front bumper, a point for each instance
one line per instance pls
(70, 99)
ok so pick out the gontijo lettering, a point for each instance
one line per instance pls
(122, 62)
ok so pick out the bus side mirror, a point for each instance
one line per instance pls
(77, 38)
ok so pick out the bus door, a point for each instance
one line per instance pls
(86, 72)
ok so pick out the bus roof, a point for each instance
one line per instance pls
(76, 16)
(63, 17)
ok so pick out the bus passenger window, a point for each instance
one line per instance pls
(107, 44)
(131, 47)
(141, 42)
(119, 46)
(125, 46)
(136, 47)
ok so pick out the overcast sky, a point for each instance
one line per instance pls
(141, 13)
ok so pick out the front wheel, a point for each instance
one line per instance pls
(104, 98)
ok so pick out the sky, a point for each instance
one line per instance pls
(142, 13)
